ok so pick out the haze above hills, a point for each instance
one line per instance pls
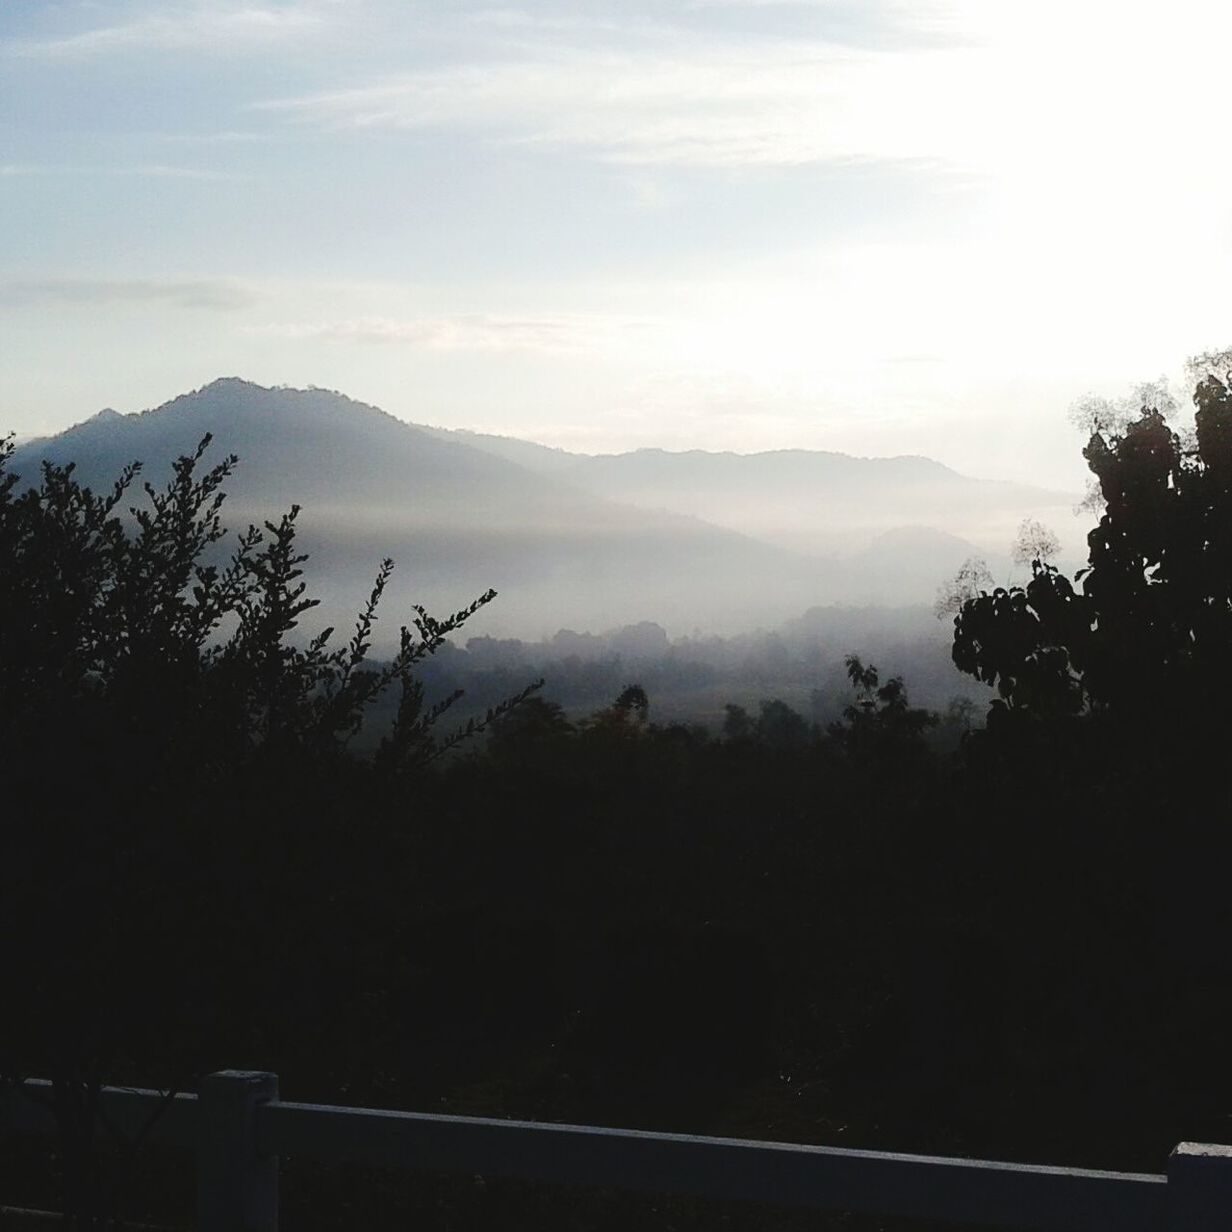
(719, 542)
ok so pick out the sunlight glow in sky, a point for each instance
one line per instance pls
(875, 226)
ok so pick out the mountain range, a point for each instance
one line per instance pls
(695, 540)
(812, 501)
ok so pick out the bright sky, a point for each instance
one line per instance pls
(876, 226)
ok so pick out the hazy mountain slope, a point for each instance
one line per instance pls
(822, 502)
(543, 459)
(455, 518)
(315, 448)
(909, 562)
(807, 500)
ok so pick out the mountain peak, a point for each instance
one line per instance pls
(238, 387)
(232, 383)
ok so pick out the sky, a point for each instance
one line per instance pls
(873, 226)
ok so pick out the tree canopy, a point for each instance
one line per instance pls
(183, 815)
(1145, 630)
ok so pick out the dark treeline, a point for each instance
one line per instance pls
(839, 932)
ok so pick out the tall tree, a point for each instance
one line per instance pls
(1145, 630)
(185, 826)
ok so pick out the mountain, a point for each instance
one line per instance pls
(456, 519)
(909, 562)
(312, 447)
(542, 459)
(719, 542)
(809, 501)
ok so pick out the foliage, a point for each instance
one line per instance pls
(777, 726)
(142, 631)
(625, 719)
(850, 940)
(173, 756)
(781, 727)
(1149, 633)
(737, 723)
(881, 724)
(972, 577)
(1034, 542)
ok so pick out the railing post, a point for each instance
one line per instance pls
(1200, 1188)
(237, 1189)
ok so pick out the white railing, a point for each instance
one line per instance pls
(238, 1127)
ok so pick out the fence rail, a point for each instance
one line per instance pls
(238, 1127)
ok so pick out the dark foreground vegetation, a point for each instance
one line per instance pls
(1019, 949)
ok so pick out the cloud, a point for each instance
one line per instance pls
(725, 103)
(200, 27)
(156, 171)
(476, 332)
(219, 294)
(221, 137)
(162, 171)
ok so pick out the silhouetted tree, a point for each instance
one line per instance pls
(534, 734)
(737, 723)
(881, 725)
(178, 783)
(626, 717)
(1149, 631)
(781, 727)
(1033, 542)
(972, 577)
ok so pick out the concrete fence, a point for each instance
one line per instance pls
(238, 1127)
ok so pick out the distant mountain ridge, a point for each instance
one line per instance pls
(553, 459)
(819, 502)
(569, 540)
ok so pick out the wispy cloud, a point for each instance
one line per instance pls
(222, 137)
(726, 103)
(219, 294)
(477, 332)
(196, 27)
(155, 171)
(164, 171)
